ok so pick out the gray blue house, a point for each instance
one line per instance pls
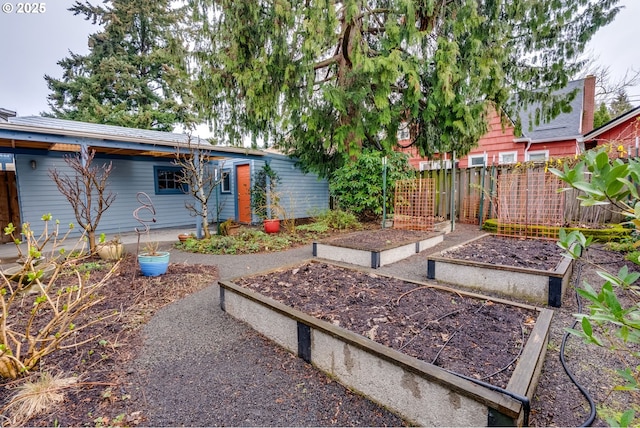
(143, 161)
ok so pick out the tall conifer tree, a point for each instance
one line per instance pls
(326, 78)
(135, 73)
(620, 104)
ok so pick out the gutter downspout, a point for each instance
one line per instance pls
(580, 146)
(526, 149)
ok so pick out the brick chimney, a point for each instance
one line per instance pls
(588, 103)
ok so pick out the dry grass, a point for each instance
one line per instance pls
(34, 397)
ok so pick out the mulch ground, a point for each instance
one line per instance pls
(474, 337)
(381, 240)
(103, 364)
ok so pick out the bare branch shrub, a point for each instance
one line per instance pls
(200, 178)
(86, 190)
(39, 312)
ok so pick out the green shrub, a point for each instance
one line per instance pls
(338, 219)
(316, 227)
(357, 186)
(633, 256)
(250, 240)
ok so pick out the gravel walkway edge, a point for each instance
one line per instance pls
(201, 367)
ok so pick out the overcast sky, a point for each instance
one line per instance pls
(32, 44)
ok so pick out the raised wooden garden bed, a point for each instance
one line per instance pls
(422, 393)
(534, 285)
(387, 246)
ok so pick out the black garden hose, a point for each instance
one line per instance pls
(523, 399)
(583, 391)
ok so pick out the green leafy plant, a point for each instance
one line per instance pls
(612, 183)
(102, 240)
(316, 227)
(338, 219)
(358, 186)
(89, 267)
(265, 200)
(633, 256)
(250, 240)
(226, 226)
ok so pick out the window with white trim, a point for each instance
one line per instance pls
(477, 160)
(225, 185)
(537, 156)
(507, 157)
(403, 133)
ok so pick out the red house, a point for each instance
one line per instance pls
(560, 137)
(623, 131)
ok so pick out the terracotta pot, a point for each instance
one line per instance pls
(183, 237)
(272, 225)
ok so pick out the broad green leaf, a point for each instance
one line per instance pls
(586, 327)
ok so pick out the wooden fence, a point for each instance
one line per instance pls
(476, 197)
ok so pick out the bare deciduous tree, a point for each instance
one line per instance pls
(86, 190)
(607, 87)
(200, 179)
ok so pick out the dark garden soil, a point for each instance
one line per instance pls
(100, 363)
(525, 253)
(381, 240)
(476, 338)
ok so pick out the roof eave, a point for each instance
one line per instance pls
(547, 140)
(612, 124)
(117, 138)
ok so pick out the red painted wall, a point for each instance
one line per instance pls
(499, 140)
(624, 134)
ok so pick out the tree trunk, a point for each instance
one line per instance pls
(92, 240)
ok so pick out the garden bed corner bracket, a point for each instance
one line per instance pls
(304, 342)
(431, 269)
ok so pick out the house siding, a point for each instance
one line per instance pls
(301, 195)
(497, 140)
(39, 195)
(559, 137)
(557, 149)
(227, 202)
(624, 134)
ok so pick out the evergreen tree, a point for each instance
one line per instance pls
(620, 104)
(324, 79)
(601, 116)
(135, 73)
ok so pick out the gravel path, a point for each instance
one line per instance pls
(200, 367)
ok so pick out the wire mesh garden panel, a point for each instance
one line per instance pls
(528, 203)
(414, 204)
(469, 214)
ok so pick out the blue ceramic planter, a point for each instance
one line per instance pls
(154, 265)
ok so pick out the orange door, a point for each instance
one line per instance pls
(243, 180)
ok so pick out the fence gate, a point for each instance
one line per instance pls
(527, 202)
(414, 204)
